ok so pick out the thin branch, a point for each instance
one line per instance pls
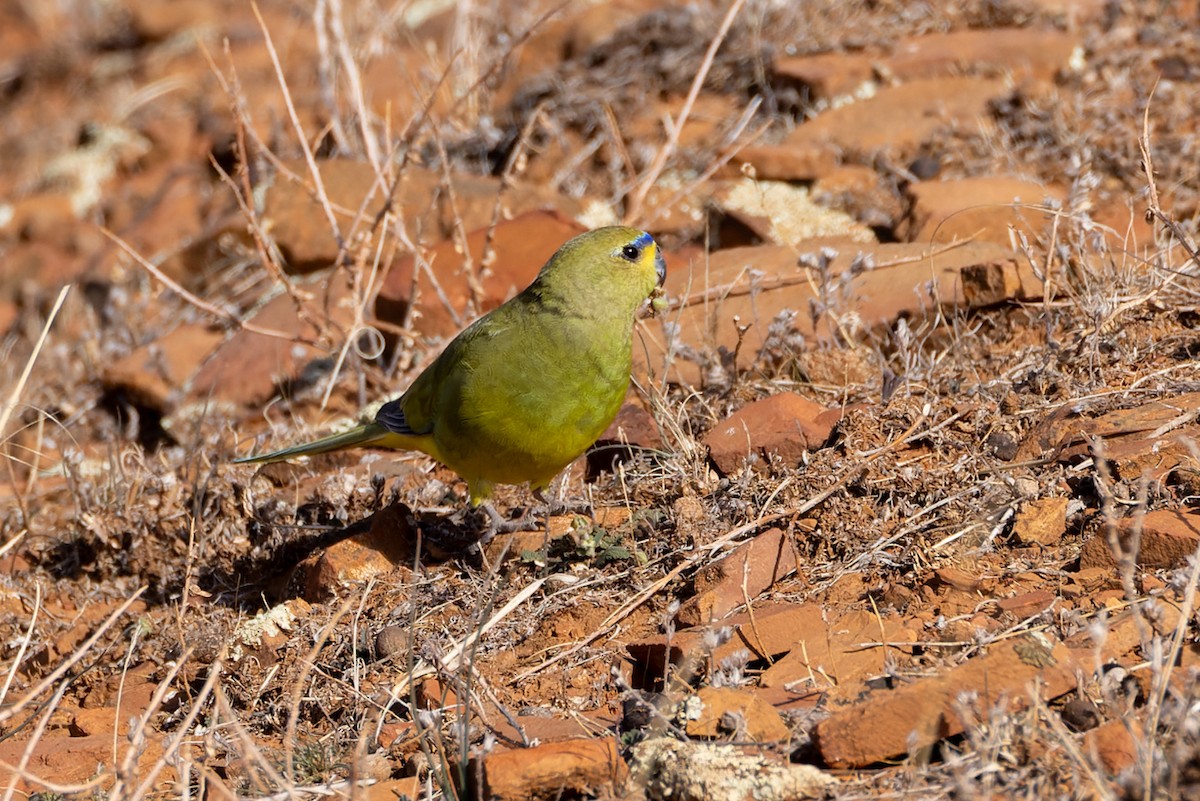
(318, 183)
(672, 143)
(203, 305)
(14, 397)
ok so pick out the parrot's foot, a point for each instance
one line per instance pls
(478, 525)
(526, 522)
(485, 522)
(463, 529)
(555, 507)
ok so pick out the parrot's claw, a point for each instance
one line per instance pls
(465, 528)
(496, 524)
(533, 519)
(522, 523)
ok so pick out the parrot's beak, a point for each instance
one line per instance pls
(658, 298)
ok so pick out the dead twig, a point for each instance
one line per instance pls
(202, 305)
(14, 397)
(668, 149)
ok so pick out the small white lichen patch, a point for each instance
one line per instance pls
(272, 623)
(666, 768)
(85, 171)
(597, 214)
(792, 213)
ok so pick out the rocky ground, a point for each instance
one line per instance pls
(902, 503)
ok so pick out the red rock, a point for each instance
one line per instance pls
(1150, 440)
(634, 426)
(537, 728)
(976, 208)
(8, 314)
(730, 713)
(748, 571)
(888, 724)
(174, 139)
(551, 770)
(1027, 604)
(1114, 744)
(1168, 538)
(1022, 53)
(520, 247)
(249, 367)
(783, 425)
(298, 223)
(1042, 521)
(434, 694)
(393, 789)
(295, 219)
(158, 211)
(155, 21)
(914, 112)
(22, 34)
(476, 198)
(861, 192)
(769, 631)
(386, 544)
(1147, 417)
(1052, 433)
(42, 263)
(156, 373)
(786, 162)
(958, 578)
(134, 687)
(101, 720)
(1123, 632)
(42, 216)
(839, 368)
(830, 656)
(1125, 226)
(993, 283)
(633, 429)
(825, 77)
(903, 279)
(1095, 578)
(62, 760)
(397, 733)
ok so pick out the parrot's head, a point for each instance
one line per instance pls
(615, 268)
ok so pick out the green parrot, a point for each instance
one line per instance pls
(524, 390)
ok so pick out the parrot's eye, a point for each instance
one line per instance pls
(631, 252)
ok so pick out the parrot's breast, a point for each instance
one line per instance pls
(525, 417)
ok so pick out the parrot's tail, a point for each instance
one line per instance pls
(370, 434)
